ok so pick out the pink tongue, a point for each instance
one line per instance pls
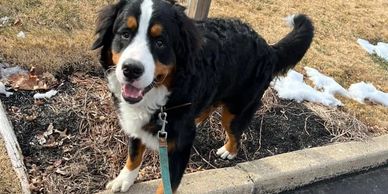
(131, 92)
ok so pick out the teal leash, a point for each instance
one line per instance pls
(163, 153)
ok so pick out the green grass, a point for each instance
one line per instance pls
(380, 61)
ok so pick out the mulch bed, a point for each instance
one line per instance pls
(72, 143)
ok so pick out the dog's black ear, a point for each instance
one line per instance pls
(188, 41)
(104, 32)
(173, 2)
(105, 22)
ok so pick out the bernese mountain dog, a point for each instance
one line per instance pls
(156, 57)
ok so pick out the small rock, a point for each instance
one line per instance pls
(21, 34)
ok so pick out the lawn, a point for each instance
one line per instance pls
(334, 50)
(59, 35)
(58, 39)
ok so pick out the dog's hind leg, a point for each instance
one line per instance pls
(204, 115)
(235, 121)
(230, 149)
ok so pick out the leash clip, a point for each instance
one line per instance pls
(162, 133)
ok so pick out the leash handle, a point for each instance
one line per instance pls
(163, 153)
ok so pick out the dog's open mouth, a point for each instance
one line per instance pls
(133, 95)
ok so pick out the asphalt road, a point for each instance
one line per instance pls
(374, 181)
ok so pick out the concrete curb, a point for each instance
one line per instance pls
(284, 171)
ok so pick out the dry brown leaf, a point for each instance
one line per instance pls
(49, 131)
(39, 102)
(17, 22)
(32, 81)
(41, 139)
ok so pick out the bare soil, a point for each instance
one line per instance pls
(72, 143)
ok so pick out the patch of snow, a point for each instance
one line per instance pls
(381, 49)
(6, 72)
(3, 65)
(292, 87)
(21, 34)
(366, 45)
(48, 94)
(365, 91)
(4, 91)
(325, 83)
(4, 21)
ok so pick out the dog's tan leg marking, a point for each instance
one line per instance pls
(135, 162)
(230, 149)
(128, 174)
(204, 115)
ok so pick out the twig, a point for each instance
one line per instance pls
(207, 162)
(261, 129)
(119, 140)
(305, 124)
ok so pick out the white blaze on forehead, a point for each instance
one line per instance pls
(139, 49)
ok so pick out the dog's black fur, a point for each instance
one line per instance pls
(217, 62)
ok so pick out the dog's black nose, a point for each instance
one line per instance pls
(132, 69)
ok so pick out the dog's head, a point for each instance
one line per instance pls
(144, 41)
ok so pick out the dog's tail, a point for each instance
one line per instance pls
(292, 48)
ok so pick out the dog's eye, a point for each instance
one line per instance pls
(126, 35)
(159, 44)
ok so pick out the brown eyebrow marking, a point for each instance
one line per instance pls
(156, 30)
(132, 23)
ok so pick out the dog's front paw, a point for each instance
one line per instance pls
(225, 154)
(123, 181)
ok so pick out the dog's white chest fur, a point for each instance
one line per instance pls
(133, 117)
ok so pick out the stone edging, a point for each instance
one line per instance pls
(13, 150)
(284, 171)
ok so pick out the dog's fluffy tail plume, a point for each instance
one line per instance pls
(292, 48)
